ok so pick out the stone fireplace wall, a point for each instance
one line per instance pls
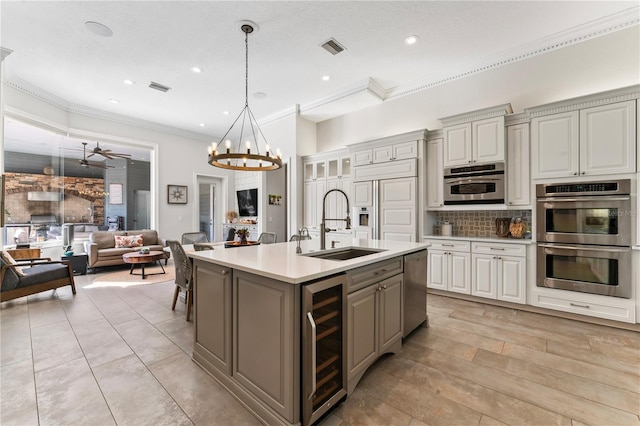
(82, 197)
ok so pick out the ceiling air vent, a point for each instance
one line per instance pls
(332, 46)
(158, 86)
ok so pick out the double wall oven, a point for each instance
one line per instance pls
(584, 237)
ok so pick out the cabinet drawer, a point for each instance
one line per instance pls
(497, 248)
(610, 307)
(449, 245)
(366, 275)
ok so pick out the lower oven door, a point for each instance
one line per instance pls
(589, 269)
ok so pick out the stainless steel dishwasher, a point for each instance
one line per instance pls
(415, 291)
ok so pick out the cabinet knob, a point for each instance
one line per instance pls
(575, 174)
(225, 272)
(583, 172)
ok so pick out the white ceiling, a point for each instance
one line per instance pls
(162, 40)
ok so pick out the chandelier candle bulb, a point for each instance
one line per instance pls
(266, 148)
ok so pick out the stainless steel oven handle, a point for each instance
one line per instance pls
(582, 199)
(583, 248)
(312, 323)
(451, 182)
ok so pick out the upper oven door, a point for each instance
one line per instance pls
(474, 190)
(585, 220)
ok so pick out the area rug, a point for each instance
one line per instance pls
(122, 278)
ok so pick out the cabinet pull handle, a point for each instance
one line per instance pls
(225, 272)
(312, 323)
(579, 305)
(496, 248)
(384, 287)
(447, 245)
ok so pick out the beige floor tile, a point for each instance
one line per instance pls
(151, 310)
(361, 408)
(180, 332)
(45, 312)
(116, 310)
(625, 354)
(134, 395)
(460, 336)
(14, 310)
(413, 365)
(68, 394)
(417, 401)
(548, 398)
(149, 344)
(17, 394)
(53, 344)
(100, 342)
(439, 310)
(416, 422)
(15, 341)
(569, 351)
(579, 368)
(429, 340)
(332, 420)
(488, 421)
(198, 394)
(585, 388)
(490, 332)
(82, 312)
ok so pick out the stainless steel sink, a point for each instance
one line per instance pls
(343, 254)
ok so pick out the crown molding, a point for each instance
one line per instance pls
(515, 119)
(481, 114)
(417, 135)
(70, 108)
(294, 110)
(435, 134)
(616, 22)
(367, 86)
(4, 52)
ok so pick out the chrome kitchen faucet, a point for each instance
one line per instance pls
(323, 228)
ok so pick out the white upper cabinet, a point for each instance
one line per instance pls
(472, 139)
(363, 157)
(385, 153)
(339, 167)
(435, 174)
(518, 184)
(363, 194)
(315, 170)
(608, 139)
(586, 142)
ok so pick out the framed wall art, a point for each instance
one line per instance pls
(177, 194)
(115, 193)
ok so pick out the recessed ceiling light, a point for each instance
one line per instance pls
(412, 39)
(326, 77)
(114, 101)
(129, 82)
(225, 112)
(201, 124)
(196, 69)
(98, 28)
(259, 95)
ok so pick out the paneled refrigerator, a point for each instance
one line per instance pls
(386, 209)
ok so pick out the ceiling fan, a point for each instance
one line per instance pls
(85, 163)
(106, 153)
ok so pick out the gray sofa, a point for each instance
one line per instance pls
(101, 248)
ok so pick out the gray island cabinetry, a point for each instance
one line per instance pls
(253, 322)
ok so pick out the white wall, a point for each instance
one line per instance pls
(178, 158)
(597, 65)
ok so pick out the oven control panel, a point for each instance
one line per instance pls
(586, 188)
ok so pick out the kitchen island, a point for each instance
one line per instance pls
(255, 310)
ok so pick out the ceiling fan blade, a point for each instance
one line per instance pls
(91, 155)
(119, 155)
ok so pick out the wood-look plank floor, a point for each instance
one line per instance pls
(479, 364)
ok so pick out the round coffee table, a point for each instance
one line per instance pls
(137, 258)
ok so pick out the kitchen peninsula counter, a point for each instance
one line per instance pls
(280, 261)
(252, 329)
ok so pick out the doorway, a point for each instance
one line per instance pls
(211, 205)
(142, 205)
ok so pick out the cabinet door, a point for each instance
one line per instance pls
(608, 139)
(390, 312)
(401, 151)
(458, 272)
(361, 158)
(333, 168)
(345, 167)
(554, 145)
(382, 154)
(484, 276)
(437, 276)
(363, 194)
(336, 207)
(212, 308)
(457, 145)
(487, 138)
(435, 174)
(310, 201)
(309, 172)
(518, 185)
(362, 341)
(511, 282)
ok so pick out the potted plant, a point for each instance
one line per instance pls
(243, 233)
(231, 215)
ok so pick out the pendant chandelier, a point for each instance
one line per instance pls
(244, 159)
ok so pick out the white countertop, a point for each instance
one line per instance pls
(494, 239)
(280, 261)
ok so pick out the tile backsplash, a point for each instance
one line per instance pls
(477, 223)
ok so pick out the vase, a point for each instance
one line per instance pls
(243, 240)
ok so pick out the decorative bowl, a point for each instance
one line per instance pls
(144, 251)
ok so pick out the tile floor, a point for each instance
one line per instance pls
(119, 355)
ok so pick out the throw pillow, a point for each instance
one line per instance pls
(128, 241)
(9, 260)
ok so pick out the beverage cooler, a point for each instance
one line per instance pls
(324, 362)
